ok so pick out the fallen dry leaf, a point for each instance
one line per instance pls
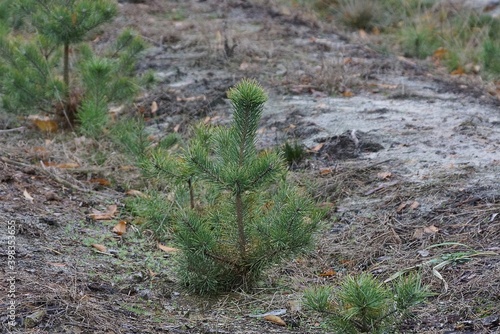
(167, 249)
(317, 147)
(428, 230)
(328, 273)
(275, 319)
(387, 86)
(458, 71)
(27, 195)
(440, 53)
(100, 248)
(176, 128)
(56, 264)
(136, 193)
(60, 165)
(191, 98)
(120, 228)
(101, 181)
(363, 34)
(431, 229)
(401, 207)
(44, 123)
(67, 165)
(109, 214)
(406, 61)
(384, 175)
(154, 107)
(348, 93)
(127, 168)
(325, 171)
(244, 66)
(414, 205)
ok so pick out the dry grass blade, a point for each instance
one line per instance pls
(442, 261)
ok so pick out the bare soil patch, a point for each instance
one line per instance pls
(406, 157)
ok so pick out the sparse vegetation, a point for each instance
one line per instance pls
(293, 153)
(359, 14)
(462, 39)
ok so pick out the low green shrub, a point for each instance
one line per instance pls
(362, 304)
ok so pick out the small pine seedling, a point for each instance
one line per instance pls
(243, 216)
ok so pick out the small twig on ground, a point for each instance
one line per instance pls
(44, 170)
(60, 180)
(21, 128)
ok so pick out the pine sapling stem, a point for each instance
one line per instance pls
(241, 228)
(191, 193)
(66, 83)
(66, 70)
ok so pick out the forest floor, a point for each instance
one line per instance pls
(405, 156)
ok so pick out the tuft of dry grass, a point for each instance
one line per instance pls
(359, 14)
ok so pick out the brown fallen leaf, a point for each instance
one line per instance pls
(458, 71)
(384, 175)
(44, 123)
(401, 207)
(325, 171)
(275, 319)
(440, 53)
(135, 193)
(387, 86)
(328, 273)
(154, 107)
(56, 264)
(27, 195)
(244, 66)
(431, 229)
(317, 148)
(407, 61)
(363, 34)
(191, 98)
(100, 248)
(127, 168)
(120, 228)
(67, 165)
(109, 214)
(100, 181)
(167, 249)
(414, 205)
(348, 93)
(428, 230)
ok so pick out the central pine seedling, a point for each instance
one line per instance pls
(243, 215)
